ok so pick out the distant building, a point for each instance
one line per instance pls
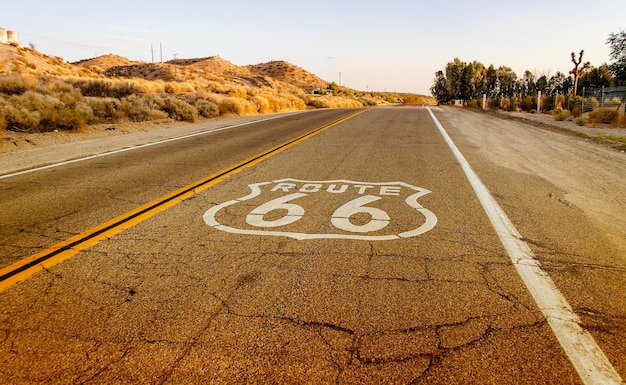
(9, 37)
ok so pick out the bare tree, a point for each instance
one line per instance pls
(578, 72)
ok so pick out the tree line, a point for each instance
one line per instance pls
(468, 81)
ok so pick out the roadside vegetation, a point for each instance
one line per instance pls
(587, 94)
(42, 94)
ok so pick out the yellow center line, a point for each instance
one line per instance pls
(57, 253)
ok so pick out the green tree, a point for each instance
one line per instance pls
(439, 90)
(542, 84)
(597, 77)
(617, 43)
(454, 75)
(528, 84)
(507, 79)
(558, 84)
(491, 82)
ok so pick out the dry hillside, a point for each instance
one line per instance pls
(289, 73)
(28, 61)
(40, 93)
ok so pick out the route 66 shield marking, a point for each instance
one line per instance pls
(344, 209)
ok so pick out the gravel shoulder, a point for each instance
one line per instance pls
(591, 173)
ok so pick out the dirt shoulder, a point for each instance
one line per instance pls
(592, 176)
(602, 134)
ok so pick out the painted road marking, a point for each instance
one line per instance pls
(592, 365)
(55, 254)
(282, 202)
(140, 146)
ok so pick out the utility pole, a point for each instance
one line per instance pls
(161, 45)
(152, 52)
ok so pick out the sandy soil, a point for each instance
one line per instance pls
(592, 174)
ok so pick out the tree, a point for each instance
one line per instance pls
(542, 84)
(528, 83)
(440, 88)
(578, 71)
(558, 84)
(454, 75)
(507, 82)
(617, 43)
(596, 77)
(491, 82)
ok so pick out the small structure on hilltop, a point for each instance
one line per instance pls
(9, 37)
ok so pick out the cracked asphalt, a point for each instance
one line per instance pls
(174, 300)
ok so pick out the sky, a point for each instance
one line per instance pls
(366, 45)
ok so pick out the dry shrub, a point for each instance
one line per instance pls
(105, 88)
(179, 87)
(16, 84)
(562, 115)
(285, 102)
(35, 112)
(262, 104)
(149, 86)
(331, 102)
(207, 108)
(230, 105)
(238, 92)
(180, 110)
(105, 110)
(138, 108)
(19, 119)
(215, 86)
(604, 116)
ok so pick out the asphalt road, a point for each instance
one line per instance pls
(359, 254)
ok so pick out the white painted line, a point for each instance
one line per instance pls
(140, 146)
(592, 365)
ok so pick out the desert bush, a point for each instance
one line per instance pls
(105, 110)
(105, 88)
(331, 102)
(604, 115)
(238, 92)
(180, 110)
(139, 108)
(505, 104)
(580, 121)
(16, 84)
(179, 87)
(561, 115)
(74, 118)
(149, 86)
(207, 108)
(35, 112)
(527, 103)
(263, 105)
(234, 105)
(19, 119)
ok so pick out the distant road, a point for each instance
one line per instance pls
(385, 245)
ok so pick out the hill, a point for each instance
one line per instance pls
(43, 93)
(28, 61)
(289, 73)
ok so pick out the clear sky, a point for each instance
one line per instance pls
(370, 45)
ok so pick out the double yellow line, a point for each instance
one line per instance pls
(57, 253)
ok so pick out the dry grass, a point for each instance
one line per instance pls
(38, 92)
